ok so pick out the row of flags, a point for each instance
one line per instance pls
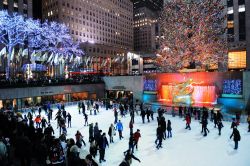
(55, 58)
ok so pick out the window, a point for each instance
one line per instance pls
(230, 24)
(242, 8)
(237, 59)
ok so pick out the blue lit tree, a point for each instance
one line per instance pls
(12, 34)
(54, 38)
(42, 39)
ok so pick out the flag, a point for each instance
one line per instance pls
(51, 56)
(87, 61)
(117, 59)
(71, 58)
(25, 52)
(12, 54)
(56, 59)
(45, 56)
(123, 58)
(3, 51)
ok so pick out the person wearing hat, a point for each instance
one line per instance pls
(236, 135)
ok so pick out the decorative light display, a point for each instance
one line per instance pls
(192, 31)
(232, 87)
(49, 42)
(150, 85)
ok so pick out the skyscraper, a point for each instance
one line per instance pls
(146, 27)
(23, 7)
(238, 25)
(104, 27)
(146, 32)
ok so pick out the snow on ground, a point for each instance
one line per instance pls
(186, 147)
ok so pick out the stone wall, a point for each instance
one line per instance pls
(15, 93)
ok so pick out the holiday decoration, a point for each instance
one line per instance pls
(193, 35)
(48, 42)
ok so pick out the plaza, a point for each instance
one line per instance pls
(171, 76)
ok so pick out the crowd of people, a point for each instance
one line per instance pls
(29, 139)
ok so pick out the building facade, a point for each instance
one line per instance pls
(238, 31)
(104, 27)
(23, 7)
(146, 33)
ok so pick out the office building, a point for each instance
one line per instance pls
(23, 7)
(104, 27)
(238, 26)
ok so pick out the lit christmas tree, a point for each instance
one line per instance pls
(193, 32)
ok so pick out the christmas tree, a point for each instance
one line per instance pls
(193, 35)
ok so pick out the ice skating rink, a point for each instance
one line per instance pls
(185, 148)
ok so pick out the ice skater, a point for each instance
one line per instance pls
(159, 137)
(86, 123)
(169, 129)
(188, 121)
(119, 127)
(220, 125)
(236, 135)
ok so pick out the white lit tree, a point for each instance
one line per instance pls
(12, 34)
(192, 31)
(49, 41)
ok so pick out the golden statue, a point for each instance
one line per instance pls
(182, 92)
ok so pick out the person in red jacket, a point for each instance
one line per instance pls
(137, 135)
(38, 121)
(188, 121)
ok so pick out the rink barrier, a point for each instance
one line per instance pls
(226, 116)
(169, 111)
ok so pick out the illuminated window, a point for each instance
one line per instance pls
(230, 24)
(237, 59)
(230, 10)
(242, 8)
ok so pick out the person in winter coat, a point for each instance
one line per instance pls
(79, 139)
(137, 136)
(204, 126)
(64, 114)
(89, 161)
(188, 121)
(131, 143)
(91, 132)
(220, 125)
(93, 148)
(143, 114)
(119, 127)
(79, 107)
(86, 123)
(83, 108)
(38, 121)
(69, 119)
(111, 133)
(163, 127)
(169, 129)
(248, 121)
(49, 131)
(128, 158)
(159, 135)
(103, 143)
(236, 135)
(233, 124)
(96, 132)
(44, 123)
(56, 153)
(148, 114)
(115, 115)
